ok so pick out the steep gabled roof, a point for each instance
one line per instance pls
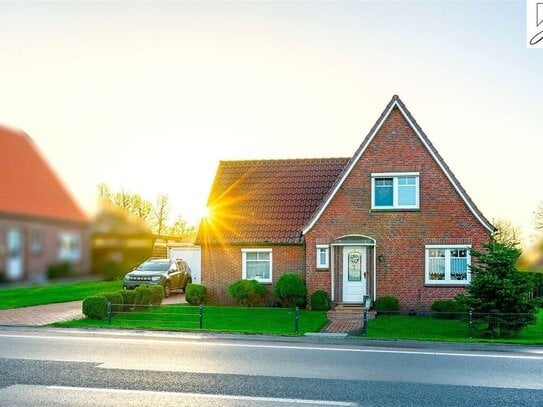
(28, 186)
(266, 201)
(396, 103)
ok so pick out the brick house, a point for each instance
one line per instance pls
(40, 223)
(390, 220)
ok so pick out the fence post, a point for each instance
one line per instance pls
(365, 322)
(470, 324)
(296, 320)
(201, 314)
(109, 312)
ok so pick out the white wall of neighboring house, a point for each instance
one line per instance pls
(191, 254)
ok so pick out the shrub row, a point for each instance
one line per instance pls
(95, 307)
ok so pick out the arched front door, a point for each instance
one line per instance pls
(354, 273)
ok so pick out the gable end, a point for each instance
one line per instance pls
(398, 104)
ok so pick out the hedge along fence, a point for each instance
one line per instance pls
(104, 305)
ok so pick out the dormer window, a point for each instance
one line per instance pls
(395, 190)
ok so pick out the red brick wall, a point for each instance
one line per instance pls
(35, 264)
(401, 236)
(221, 266)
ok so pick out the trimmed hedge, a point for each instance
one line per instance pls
(116, 299)
(145, 296)
(247, 293)
(95, 307)
(290, 290)
(129, 299)
(59, 270)
(448, 309)
(196, 294)
(320, 301)
(157, 294)
(387, 303)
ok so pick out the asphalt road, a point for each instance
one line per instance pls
(50, 367)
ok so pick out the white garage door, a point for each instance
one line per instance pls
(192, 255)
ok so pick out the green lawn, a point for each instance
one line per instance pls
(434, 329)
(53, 293)
(223, 319)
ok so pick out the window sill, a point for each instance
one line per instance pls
(395, 209)
(447, 284)
(322, 269)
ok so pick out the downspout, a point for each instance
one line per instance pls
(374, 272)
(333, 261)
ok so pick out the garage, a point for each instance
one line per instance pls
(191, 254)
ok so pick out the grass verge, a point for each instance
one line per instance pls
(278, 321)
(428, 328)
(53, 293)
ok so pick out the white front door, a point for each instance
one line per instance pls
(14, 262)
(354, 273)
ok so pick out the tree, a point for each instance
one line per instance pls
(507, 234)
(538, 218)
(156, 216)
(497, 288)
(161, 213)
(180, 227)
(133, 203)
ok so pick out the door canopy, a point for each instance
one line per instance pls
(354, 240)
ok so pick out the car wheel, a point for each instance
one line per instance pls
(167, 289)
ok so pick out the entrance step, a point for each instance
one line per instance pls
(349, 312)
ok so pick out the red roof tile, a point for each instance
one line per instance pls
(267, 201)
(28, 186)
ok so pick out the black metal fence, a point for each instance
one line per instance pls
(258, 320)
(515, 327)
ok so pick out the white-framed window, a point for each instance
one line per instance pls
(36, 243)
(69, 247)
(397, 190)
(447, 264)
(257, 264)
(323, 255)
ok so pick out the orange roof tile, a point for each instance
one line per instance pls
(267, 201)
(28, 186)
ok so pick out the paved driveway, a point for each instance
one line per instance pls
(47, 314)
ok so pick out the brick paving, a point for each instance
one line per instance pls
(343, 325)
(41, 314)
(47, 314)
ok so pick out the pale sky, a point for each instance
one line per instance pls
(149, 96)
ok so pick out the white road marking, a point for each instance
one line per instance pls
(206, 396)
(538, 355)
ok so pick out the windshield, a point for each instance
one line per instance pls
(154, 266)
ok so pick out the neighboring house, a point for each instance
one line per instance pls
(40, 223)
(391, 220)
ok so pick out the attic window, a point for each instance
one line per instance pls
(395, 190)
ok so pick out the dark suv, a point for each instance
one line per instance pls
(170, 274)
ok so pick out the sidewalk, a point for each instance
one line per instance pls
(65, 311)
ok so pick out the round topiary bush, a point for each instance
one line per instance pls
(129, 299)
(95, 307)
(290, 290)
(157, 294)
(320, 301)
(145, 295)
(247, 293)
(387, 303)
(196, 294)
(116, 300)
